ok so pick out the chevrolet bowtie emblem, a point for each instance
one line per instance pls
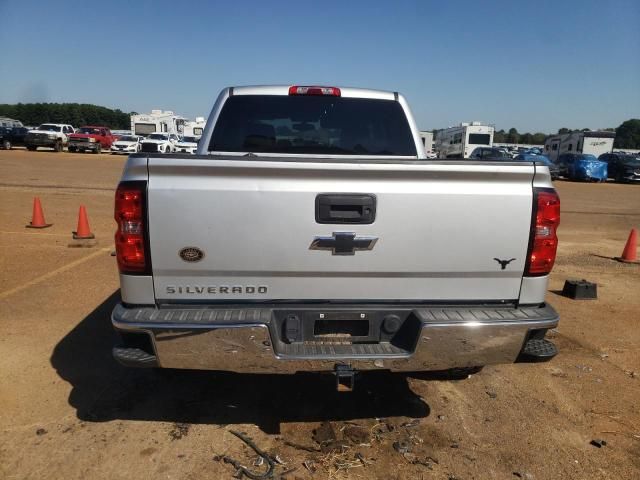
(343, 243)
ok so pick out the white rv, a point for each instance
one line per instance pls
(427, 143)
(194, 128)
(593, 142)
(460, 141)
(157, 121)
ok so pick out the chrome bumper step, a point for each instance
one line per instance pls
(337, 351)
(134, 357)
(257, 340)
(537, 350)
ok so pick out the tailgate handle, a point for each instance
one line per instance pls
(345, 208)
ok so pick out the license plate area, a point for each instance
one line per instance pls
(341, 326)
(345, 327)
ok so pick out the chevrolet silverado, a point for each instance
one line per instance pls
(310, 233)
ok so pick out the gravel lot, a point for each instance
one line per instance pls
(67, 410)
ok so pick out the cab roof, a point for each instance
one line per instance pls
(347, 92)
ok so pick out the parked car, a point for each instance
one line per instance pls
(91, 138)
(187, 145)
(533, 151)
(622, 167)
(127, 144)
(582, 166)
(160, 142)
(12, 137)
(258, 257)
(554, 171)
(49, 135)
(489, 153)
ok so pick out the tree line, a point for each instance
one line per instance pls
(627, 135)
(76, 114)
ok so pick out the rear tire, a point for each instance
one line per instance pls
(71, 149)
(6, 145)
(32, 148)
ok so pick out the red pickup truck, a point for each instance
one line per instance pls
(91, 138)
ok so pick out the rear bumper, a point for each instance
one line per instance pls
(250, 340)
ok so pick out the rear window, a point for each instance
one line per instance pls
(479, 139)
(312, 125)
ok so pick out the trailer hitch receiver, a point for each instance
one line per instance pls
(345, 378)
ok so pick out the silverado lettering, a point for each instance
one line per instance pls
(214, 289)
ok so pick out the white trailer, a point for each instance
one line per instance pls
(157, 121)
(460, 141)
(592, 142)
(194, 128)
(427, 143)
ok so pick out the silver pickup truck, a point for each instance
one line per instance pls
(310, 233)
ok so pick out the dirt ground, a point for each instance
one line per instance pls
(67, 410)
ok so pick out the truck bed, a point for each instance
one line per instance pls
(443, 225)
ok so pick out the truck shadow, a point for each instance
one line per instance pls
(103, 390)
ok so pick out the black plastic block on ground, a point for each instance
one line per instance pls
(580, 290)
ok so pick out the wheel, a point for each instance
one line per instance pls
(58, 146)
(139, 148)
(167, 149)
(6, 145)
(98, 149)
(32, 148)
(71, 149)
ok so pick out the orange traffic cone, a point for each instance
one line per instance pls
(37, 219)
(629, 254)
(83, 232)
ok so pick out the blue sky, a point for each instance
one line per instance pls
(536, 65)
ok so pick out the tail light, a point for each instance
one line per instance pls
(328, 91)
(132, 249)
(543, 241)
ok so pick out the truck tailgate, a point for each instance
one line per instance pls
(446, 231)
